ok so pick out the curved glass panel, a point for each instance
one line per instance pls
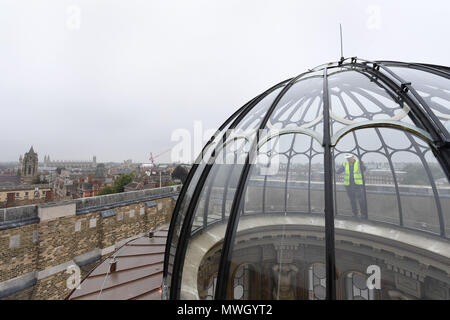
(376, 198)
(181, 214)
(355, 97)
(442, 186)
(301, 105)
(434, 90)
(213, 207)
(202, 160)
(388, 206)
(281, 243)
(419, 202)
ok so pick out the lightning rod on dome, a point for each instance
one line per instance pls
(342, 46)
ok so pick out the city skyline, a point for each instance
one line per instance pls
(83, 78)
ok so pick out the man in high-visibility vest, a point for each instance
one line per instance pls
(353, 182)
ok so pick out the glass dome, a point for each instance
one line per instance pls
(331, 185)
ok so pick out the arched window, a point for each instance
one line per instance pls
(356, 287)
(317, 282)
(242, 282)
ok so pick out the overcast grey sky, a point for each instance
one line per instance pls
(115, 78)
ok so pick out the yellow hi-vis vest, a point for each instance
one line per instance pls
(357, 176)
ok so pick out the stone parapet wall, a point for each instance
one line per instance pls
(25, 187)
(38, 243)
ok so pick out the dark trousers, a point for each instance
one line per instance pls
(356, 194)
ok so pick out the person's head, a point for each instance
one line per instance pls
(349, 157)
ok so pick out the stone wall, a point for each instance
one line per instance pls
(39, 242)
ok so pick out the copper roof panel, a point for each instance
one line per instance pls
(138, 274)
(129, 263)
(140, 250)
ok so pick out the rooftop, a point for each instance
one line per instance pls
(138, 273)
(7, 180)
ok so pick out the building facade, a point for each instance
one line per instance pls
(23, 194)
(70, 163)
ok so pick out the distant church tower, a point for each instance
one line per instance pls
(47, 161)
(29, 166)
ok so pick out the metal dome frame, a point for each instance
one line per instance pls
(426, 125)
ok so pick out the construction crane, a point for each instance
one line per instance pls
(152, 158)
